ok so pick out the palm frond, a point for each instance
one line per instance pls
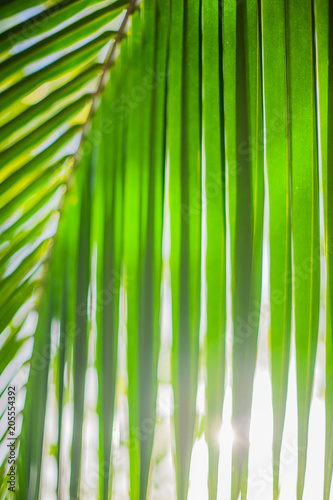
(189, 123)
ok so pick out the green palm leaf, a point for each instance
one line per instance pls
(98, 107)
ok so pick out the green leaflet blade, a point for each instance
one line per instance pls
(80, 342)
(229, 104)
(69, 327)
(216, 234)
(246, 204)
(148, 357)
(144, 184)
(241, 266)
(279, 179)
(326, 32)
(305, 211)
(109, 218)
(31, 439)
(132, 204)
(60, 279)
(184, 144)
(153, 78)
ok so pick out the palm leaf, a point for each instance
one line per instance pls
(210, 95)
